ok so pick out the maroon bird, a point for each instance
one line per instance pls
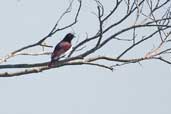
(61, 48)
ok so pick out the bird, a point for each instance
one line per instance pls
(62, 47)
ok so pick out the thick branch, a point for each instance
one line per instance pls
(103, 36)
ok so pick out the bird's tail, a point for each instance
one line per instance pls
(51, 63)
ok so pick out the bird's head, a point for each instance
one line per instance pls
(68, 37)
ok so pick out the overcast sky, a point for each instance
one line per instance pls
(131, 89)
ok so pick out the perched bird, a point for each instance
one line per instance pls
(61, 48)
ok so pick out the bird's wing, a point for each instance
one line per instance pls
(55, 55)
(60, 49)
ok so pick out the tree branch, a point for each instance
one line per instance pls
(153, 28)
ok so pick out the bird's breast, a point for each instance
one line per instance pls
(65, 45)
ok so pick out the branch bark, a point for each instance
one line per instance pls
(141, 20)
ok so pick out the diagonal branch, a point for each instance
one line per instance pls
(52, 32)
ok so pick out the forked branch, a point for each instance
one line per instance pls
(139, 16)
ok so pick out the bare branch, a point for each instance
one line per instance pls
(34, 54)
(159, 27)
(52, 32)
(113, 10)
(39, 67)
(100, 14)
(166, 61)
